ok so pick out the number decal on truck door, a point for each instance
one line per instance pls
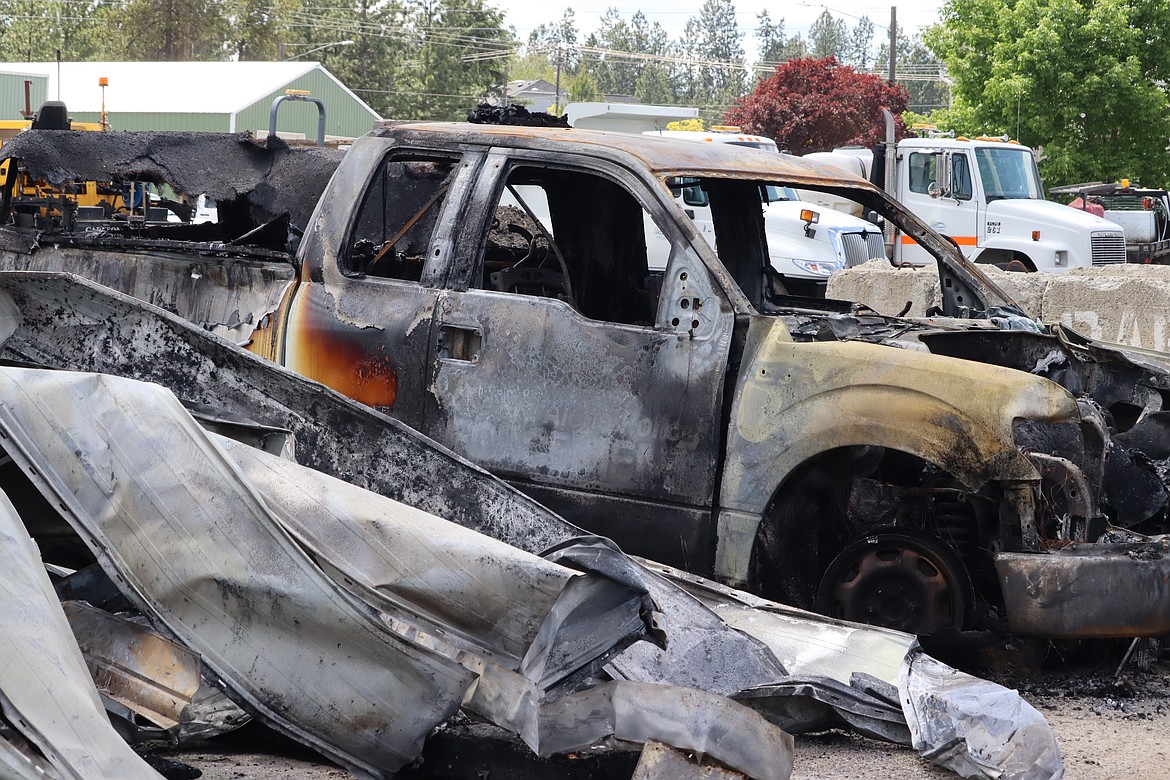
(992, 227)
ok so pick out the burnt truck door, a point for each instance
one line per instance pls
(566, 366)
(361, 319)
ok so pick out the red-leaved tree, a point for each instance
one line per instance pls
(816, 105)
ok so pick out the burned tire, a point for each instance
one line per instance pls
(909, 581)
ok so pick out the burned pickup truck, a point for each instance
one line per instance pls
(489, 287)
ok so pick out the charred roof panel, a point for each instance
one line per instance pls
(664, 156)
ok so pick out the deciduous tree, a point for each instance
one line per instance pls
(582, 88)
(815, 105)
(1085, 79)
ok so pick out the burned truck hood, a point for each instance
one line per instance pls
(1126, 389)
(805, 392)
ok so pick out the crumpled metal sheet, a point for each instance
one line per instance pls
(54, 319)
(191, 539)
(482, 595)
(46, 692)
(396, 557)
(693, 720)
(975, 727)
(797, 669)
(151, 676)
(170, 517)
(972, 726)
(810, 704)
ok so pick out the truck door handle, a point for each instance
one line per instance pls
(690, 213)
(460, 342)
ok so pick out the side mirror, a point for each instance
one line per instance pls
(875, 218)
(942, 185)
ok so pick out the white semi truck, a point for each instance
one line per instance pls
(985, 195)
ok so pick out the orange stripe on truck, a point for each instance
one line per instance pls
(960, 240)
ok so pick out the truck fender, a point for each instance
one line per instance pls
(1041, 254)
(798, 400)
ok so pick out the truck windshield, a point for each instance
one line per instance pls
(1008, 173)
(770, 193)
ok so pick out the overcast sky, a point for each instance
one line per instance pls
(524, 15)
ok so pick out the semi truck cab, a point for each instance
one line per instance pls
(985, 195)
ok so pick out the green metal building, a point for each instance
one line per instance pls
(12, 94)
(225, 97)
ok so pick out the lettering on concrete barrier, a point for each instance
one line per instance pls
(1133, 329)
(1084, 322)
(1129, 332)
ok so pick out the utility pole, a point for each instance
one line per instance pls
(893, 42)
(560, 57)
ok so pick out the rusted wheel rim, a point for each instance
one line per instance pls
(897, 581)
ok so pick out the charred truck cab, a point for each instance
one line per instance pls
(489, 287)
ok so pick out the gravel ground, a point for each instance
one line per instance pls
(1105, 731)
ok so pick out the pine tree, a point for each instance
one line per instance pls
(164, 30)
(775, 47)
(614, 73)
(714, 36)
(558, 42)
(257, 28)
(928, 91)
(654, 87)
(374, 66)
(828, 37)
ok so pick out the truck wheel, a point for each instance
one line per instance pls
(908, 581)
(1019, 266)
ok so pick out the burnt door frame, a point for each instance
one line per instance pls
(617, 426)
(370, 337)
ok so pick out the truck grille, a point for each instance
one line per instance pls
(1108, 248)
(860, 247)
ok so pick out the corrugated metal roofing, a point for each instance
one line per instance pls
(168, 87)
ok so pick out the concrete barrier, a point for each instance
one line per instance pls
(886, 289)
(1127, 304)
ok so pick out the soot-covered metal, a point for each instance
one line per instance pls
(253, 181)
